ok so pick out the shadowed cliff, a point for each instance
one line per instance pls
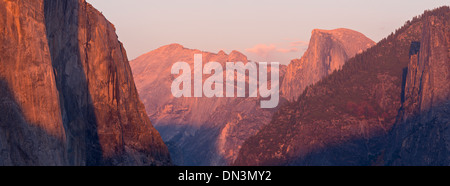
(352, 117)
(70, 78)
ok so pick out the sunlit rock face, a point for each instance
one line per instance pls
(198, 131)
(328, 51)
(421, 136)
(67, 91)
(351, 117)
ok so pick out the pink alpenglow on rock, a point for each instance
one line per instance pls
(216, 79)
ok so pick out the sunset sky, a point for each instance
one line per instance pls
(263, 30)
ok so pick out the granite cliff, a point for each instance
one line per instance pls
(327, 52)
(421, 135)
(67, 92)
(352, 116)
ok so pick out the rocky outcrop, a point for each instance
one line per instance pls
(68, 95)
(327, 52)
(351, 116)
(198, 131)
(421, 136)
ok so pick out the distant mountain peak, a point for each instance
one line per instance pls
(222, 53)
(173, 46)
(334, 31)
(387, 106)
(328, 51)
(354, 41)
(222, 124)
(236, 55)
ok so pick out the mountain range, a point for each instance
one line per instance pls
(69, 96)
(198, 131)
(210, 131)
(386, 106)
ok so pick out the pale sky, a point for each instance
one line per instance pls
(264, 30)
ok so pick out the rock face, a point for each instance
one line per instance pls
(351, 117)
(67, 91)
(421, 136)
(198, 131)
(328, 51)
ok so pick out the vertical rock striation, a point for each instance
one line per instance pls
(422, 134)
(31, 130)
(69, 93)
(352, 116)
(328, 51)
